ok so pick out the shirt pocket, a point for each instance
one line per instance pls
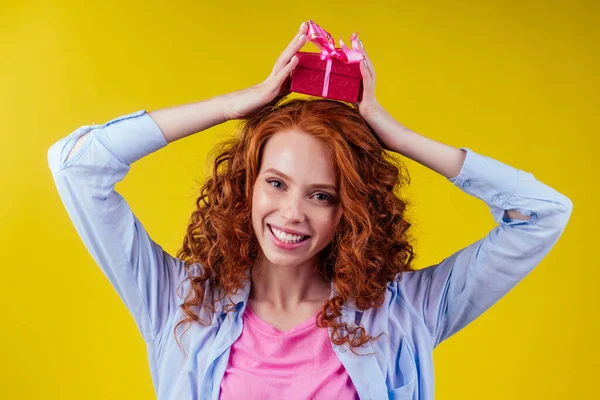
(408, 370)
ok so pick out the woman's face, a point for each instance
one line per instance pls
(296, 189)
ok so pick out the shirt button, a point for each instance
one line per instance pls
(467, 183)
(533, 217)
(495, 199)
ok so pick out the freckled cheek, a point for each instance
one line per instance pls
(325, 225)
(263, 202)
(263, 206)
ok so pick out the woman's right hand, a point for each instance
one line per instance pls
(245, 103)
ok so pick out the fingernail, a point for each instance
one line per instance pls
(361, 43)
(301, 37)
(302, 25)
(365, 62)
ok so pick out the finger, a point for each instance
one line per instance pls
(296, 44)
(369, 64)
(280, 76)
(368, 59)
(368, 83)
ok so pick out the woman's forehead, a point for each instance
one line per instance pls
(297, 153)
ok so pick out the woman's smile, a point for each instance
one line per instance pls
(285, 244)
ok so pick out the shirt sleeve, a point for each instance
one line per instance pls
(451, 294)
(143, 274)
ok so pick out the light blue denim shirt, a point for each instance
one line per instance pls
(420, 310)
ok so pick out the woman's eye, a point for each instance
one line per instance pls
(274, 181)
(326, 198)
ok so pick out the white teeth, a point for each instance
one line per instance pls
(286, 237)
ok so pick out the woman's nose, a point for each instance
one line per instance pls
(292, 209)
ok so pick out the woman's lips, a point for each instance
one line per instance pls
(284, 245)
(288, 231)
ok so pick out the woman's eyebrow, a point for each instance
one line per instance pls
(287, 177)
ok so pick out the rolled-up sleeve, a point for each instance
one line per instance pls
(143, 274)
(451, 294)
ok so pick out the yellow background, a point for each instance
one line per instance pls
(516, 81)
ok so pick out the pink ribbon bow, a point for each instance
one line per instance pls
(325, 42)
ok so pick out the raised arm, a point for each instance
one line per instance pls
(531, 217)
(87, 164)
(461, 287)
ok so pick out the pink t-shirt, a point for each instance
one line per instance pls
(265, 363)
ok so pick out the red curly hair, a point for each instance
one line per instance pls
(370, 245)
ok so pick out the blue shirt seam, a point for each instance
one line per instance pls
(123, 253)
(513, 191)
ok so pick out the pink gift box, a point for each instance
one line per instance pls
(345, 80)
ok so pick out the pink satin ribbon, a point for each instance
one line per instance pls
(325, 42)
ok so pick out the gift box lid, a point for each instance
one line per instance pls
(311, 60)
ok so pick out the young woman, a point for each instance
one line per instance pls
(298, 250)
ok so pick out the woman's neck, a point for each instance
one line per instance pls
(288, 288)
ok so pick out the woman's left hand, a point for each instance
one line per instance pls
(368, 107)
(392, 134)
